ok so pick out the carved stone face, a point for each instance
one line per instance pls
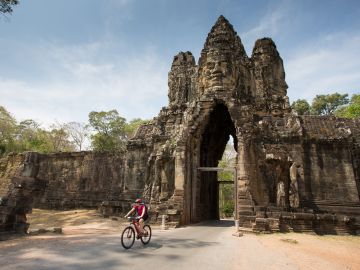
(218, 72)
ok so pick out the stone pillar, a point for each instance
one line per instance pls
(178, 197)
(179, 169)
(245, 211)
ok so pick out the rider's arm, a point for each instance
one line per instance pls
(132, 210)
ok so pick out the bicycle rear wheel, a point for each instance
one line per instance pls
(128, 237)
(145, 239)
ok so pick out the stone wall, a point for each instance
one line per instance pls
(10, 166)
(60, 181)
(330, 173)
(80, 179)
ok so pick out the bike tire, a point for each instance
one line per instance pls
(146, 239)
(128, 237)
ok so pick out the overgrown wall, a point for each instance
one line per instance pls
(10, 166)
(330, 173)
(82, 179)
(73, 179)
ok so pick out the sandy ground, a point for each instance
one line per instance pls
(287, 251)
(317, 252)
(74, 222)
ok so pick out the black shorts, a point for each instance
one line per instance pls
(145, 217)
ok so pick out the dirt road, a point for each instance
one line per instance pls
(205, 246)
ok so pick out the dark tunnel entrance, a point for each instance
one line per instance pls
(215, 137)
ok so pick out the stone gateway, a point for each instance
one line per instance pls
(293, 173)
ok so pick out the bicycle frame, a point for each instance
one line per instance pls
(133, 231)
(136, 225)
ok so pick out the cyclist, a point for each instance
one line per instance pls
(141, 213)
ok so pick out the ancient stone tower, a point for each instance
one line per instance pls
(293, 173)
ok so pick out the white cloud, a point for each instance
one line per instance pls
(323, 65)
(80, 79)
(268, 26)
(326, 66)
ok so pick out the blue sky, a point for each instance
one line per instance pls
(59, 60)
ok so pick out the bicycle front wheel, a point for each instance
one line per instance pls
(128, 237)
(145, 239)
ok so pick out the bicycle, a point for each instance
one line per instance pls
(128, 234)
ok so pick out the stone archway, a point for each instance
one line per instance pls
(206, 150)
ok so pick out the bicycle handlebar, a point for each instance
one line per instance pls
(133, 218)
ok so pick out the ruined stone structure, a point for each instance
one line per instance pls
(293, 173)
(61, 181)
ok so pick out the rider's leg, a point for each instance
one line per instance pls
(141, 225)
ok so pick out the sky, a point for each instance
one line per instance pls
(60, 60)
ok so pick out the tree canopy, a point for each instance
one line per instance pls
(331, 104)
(78, 132)
(27, 135)
(110, 130)
(352, 110)
(7, 131)
(301, 106)
(133, 125)
(6, 6)
(107, 131)
(327, 104)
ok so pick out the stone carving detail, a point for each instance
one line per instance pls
(181, 79)
(294, 188)
(222, 59)
(280, 194)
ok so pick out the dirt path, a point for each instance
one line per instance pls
(316, 252)
(75, 222)
(92, 242)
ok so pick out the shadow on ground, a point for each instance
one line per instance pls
(87, 252)
(217, 223)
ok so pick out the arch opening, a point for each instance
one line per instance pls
(214, 139)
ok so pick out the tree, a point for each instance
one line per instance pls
(110, 131)
(6, 5)
(7, 131)
(352, 110)
(78, 133)
(131, 128)
(301, 106)
(226, 190)
(27, 135)
(59, 139)
(227, 161)
(327, 104)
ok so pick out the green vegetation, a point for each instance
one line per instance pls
(28, 136)
(108, 131)
(328, 104)
(226, 190)
(301, 106)
(133, 125)
(352, 110)
(332, 104)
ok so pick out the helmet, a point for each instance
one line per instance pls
(138, 200)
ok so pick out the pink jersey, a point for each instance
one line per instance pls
(139, 209)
